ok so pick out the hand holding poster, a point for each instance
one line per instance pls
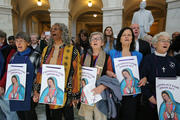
(126, 69)
(168, 98)
(52, 84)
(88, 81)
(16, 82)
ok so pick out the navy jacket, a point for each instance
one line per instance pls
(1, 64)
(156, 66)
(20, 58)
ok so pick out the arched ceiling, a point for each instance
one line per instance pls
(28, 6)
(77, 7)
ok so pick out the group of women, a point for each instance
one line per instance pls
(98, 51)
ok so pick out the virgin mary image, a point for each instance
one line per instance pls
(52, 94)
(83, 99)
(169, 109)
(129, 84)
(16, 90)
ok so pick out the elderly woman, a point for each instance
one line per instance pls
(125, 46)
(25, 55)
(99, 59)
(61, 52)
(158, 64)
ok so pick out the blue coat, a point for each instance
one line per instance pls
(116, 54)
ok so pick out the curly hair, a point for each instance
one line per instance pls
(65, 32)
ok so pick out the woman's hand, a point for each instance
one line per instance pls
(99, 89)
(142, 82)
(36, 96)
(75, 102)
(152, 100)
(110, 74)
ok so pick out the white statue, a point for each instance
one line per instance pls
(144, 18)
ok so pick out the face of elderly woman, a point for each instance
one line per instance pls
(162, 44)
(126, 37)
(96, 42)
(55, 32)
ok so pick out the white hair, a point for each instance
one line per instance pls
(156, 37)
(96, 33)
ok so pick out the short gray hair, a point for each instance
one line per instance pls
(96, 33)
(65, 33)
(156, 37)
(24, 36)
(37, 36)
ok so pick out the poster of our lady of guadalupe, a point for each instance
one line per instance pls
(88, 80)
(126, 69)
(168, 98)
(16, 82)
(52, 84)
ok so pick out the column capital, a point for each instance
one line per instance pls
(5, 10)
(173, 4)
(59, 13)
(112, 11)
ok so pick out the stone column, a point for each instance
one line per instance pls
(112, 17)
(112, 14)
(59, 11)
(6, 19)
(173, 16)
(59, 16)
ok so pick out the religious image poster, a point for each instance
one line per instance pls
(127, 72)
(88, 81)
(52, 84)
(15, 82)
(168, 98)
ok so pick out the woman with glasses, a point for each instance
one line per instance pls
(157, 64)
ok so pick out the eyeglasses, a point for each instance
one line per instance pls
(98, 39)
(162, 40)
(20, 41)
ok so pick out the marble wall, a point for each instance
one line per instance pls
(6, 20)
(173, 16)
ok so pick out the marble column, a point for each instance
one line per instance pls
(112, 17)
(59, 16)
(6, 19)
(173, 16)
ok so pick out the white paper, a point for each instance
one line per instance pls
(89, 95)
(52, 84)
(127, 67)
(16, 82)
(168, 98)
(88, 80)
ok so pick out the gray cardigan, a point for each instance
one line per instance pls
(110, 96)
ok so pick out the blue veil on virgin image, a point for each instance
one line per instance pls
(56, 98)
(19, 90)
(123, 85)
(164, 113)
